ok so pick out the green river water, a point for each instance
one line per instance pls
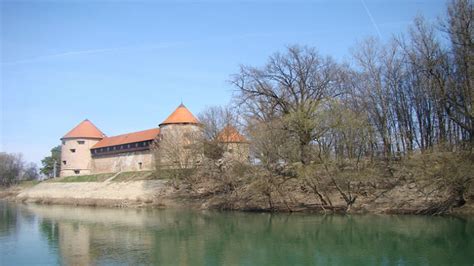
(63, 235)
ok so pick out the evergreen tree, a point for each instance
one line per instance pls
(49, 161)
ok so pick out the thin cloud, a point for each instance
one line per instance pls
(90, 51)
(213, 39)
(372, 19)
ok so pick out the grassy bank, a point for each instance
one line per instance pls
(121, 177)
(83, 178)
(134, 176)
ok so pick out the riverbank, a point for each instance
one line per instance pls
(125, 189)
(140, 193)
(136, 193)
(402, 197)
(407, 198)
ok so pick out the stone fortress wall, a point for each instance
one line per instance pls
(123, 162)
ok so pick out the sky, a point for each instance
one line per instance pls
(126, 65)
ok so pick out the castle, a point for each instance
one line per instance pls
(87, 150)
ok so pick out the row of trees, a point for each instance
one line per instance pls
(413, 93)
(318, 125)
(14, 169)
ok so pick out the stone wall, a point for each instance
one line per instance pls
(76, 156)
(123, 162)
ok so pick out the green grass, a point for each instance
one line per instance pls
(122, 177)
(28, 183)
(83, 178)
(133, 176)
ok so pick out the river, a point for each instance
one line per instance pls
(67, 235)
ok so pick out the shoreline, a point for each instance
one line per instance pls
(160, 194)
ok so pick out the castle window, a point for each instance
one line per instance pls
(64, 142)
(140, 165)
(64, 162)
(77, 172)
(80, 142)
(73, 150)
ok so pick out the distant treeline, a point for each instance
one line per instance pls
(14, 169)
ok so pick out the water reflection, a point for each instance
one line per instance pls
(85, 236)
(7, 220)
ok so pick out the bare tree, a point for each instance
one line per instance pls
(177, 153)
(13, 169)
(330, 127)
(460, 95)
(291, 87)
(214, 119)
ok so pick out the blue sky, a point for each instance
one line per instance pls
(126, 65)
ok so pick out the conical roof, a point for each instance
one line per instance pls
(85, 129)
(230, 135)
(180, 116)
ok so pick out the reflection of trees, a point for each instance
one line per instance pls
(12, 217)
(173, 237)
(49, 230)
(286, 240)
(8, 217)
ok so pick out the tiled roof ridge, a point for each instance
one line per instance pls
(132, 137)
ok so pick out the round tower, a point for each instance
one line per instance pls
(235, 144)
(75, 149)
(177, 134)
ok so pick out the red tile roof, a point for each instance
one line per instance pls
(180, 116)
(230, 135)
(139, 136)
(85, 129)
